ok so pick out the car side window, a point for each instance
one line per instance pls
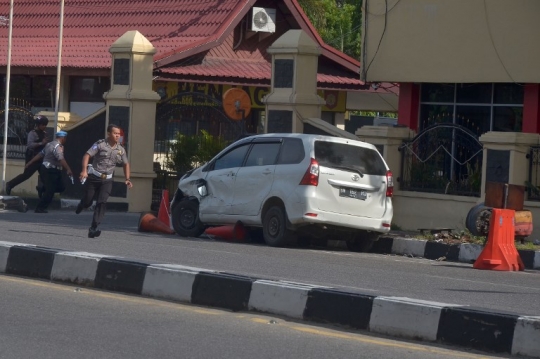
(231, 159)
(292, 151)
(263, 154)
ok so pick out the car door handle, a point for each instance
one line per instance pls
(267, 172)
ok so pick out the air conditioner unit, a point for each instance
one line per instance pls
(263, 19)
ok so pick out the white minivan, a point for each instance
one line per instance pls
(290, 185)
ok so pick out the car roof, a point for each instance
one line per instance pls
(309, 137)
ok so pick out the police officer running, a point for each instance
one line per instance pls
(98, 176)
(35, 143)
(51, 169)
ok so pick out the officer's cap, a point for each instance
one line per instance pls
(61, 134)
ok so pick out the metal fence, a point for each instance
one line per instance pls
(20, 121)
(444, 158)
(13, 151)
(533, 186)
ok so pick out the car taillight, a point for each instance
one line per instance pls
(389, 184)
(311, 178)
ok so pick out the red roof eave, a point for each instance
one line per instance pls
(217, 38)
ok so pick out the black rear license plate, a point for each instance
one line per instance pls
(352, 193)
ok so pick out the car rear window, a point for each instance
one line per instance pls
(366, 160)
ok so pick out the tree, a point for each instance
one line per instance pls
(338, 22)
(188, 152)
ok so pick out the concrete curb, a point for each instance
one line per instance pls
(464, 252)
(395, 316)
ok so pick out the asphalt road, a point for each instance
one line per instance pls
(46, 320)
(446, 282)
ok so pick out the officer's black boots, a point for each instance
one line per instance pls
(93, 232)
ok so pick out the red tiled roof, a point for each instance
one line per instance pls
(194, 39)
(90, 28)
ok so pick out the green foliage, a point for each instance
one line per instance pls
(474, 176)
(188, 152)
(338, 22)
(527, 246)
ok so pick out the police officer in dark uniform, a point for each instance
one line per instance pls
(35, 143)
(51, 169)
(98, 176)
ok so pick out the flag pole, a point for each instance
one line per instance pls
(6, 110)
(59, 67)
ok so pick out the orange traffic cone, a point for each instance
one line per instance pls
(228, 233)
(500, 251)
(163, 213)
(149, 223)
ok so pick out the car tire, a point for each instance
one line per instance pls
(185, 219)
(275, 230)
(475, 219)
(362, 242)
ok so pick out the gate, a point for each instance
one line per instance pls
(20, 122)
(187, 113)
(443, 158)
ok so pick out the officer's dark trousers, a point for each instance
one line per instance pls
(53, 183)
(101, 189)
(28, 172)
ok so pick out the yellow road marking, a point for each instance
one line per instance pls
(118, 296)
(363, 339)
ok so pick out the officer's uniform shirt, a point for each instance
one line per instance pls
(105, 157)
(53, 153)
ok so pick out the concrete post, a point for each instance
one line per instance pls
(293, 95)
(131, 104)
(505, 157)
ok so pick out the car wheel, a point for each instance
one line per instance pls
(185, 219)
(362, 242)
(275, 230)
(477, 220)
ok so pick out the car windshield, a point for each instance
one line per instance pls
(349, 157)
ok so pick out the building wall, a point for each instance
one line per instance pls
(451, 41)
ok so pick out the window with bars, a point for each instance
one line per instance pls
(479, 107)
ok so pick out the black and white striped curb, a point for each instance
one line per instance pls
(464, 252)
(394, 316)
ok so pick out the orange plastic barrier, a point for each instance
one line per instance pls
(228, 233)
(500, 251)
(149, 223)
(163, 212)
